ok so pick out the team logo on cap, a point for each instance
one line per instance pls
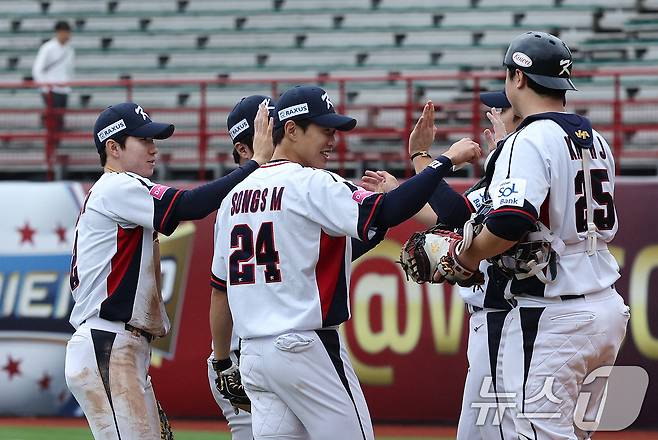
(140, 111)
(238, 128)
(295, 110)
(111, 130)
(325, 98)
(566, 67)
(522, 59)
(582, 134)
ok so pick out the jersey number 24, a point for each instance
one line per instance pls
(242, 268)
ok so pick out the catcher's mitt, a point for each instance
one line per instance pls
(431, 257)
(229, 384)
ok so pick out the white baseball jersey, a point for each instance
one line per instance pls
(113, 270)
(540, 169)
(281, 248)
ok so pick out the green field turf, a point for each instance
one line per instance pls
(51, 433)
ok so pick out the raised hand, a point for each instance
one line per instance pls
(379, 181)
(499, 132)
(462, 151)
(422, 136)
(263, 124)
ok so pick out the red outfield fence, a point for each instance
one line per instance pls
(615, 99)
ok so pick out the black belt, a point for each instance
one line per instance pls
(135, 331)
(139, 332)
(568, 297)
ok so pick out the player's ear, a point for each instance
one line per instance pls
(243, 150)
(520, 80)
(112, 148)
(290, 129)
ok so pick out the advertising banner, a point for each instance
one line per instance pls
(407, 341)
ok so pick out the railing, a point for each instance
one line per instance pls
(464, 114)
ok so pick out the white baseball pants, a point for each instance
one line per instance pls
(302, 386)
(107, 372)
(551, 345)
(480, 416)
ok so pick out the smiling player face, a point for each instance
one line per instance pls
(315, 145)
(139, 156)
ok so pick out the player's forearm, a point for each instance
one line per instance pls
(420, 163)
(450, 206)
(407, 199)
(485, 245)
(221, 323)
(197, 203)
(426, 216)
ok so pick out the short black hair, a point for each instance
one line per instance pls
(62, 25)
(121, 140)
(277, 135)
(539, 89)
(249, 142)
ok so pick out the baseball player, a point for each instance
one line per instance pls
(453, 210)
(552, 194)
(241, 129)
(115, 272)
(240, 123)
(285, 260)
(485, 322)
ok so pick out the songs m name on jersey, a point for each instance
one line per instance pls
(256, 200)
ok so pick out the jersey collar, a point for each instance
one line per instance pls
(275, 162)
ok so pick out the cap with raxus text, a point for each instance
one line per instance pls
(129, 119)
(240, 121)
(310, 102)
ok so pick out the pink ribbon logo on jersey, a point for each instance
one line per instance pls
(157, 192)
(360, 195)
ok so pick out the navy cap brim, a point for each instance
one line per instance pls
(551, 82)
(334, 120)
(496, 99)
(155, 130)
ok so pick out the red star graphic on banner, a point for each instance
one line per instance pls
(61, 233)
(62, 396)
(12, 367)
(44, 383)
(26, 233)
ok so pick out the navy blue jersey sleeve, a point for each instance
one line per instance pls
(407, 199)
(361, 247)
(197, 203)
(368, 206)
(511, 223)
(217, 282)
(165, 200)
(451, 207)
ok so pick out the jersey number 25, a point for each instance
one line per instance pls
(604, 219)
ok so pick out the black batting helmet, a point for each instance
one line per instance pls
(543, 57)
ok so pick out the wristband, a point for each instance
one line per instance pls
(421, 154)
(221, 364)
